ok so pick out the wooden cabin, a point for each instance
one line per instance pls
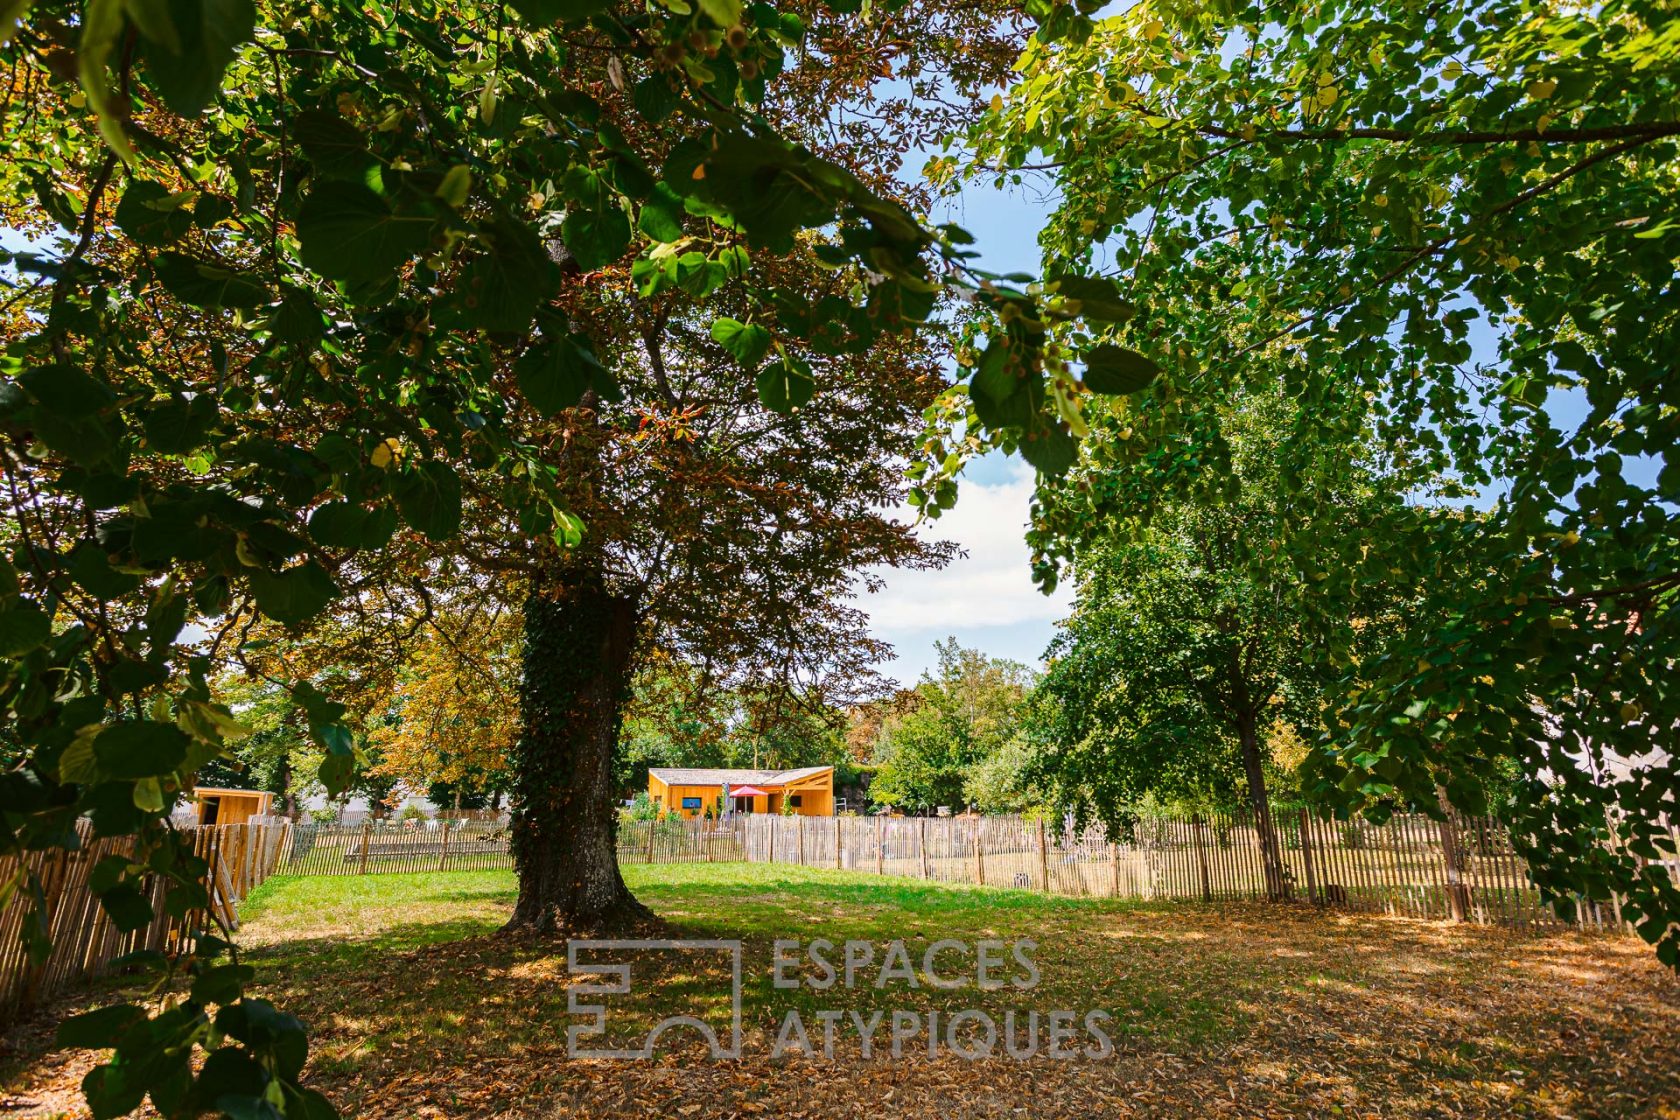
(230, 806)
(690, 792)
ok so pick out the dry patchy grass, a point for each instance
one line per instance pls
(418, 1010)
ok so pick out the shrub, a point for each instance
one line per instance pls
(640, 809)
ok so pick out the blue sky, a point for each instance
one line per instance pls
(986, 598)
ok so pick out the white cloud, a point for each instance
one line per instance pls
(986, 598)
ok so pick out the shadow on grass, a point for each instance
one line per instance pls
(412, 1000)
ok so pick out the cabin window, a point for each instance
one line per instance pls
(794, 800)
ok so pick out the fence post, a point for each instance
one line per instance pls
(799, 827)
(367, 835)
(443, 859)
(651, 825)
(1043, 856)
(772, 822)
(979, 856)
(924, 848)
(837, 821)
(1114, 857)
(881, 844)
(1307, 858)
(1201, 858)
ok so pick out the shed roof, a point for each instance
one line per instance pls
(691, 776)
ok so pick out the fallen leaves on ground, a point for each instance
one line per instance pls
(1239, 1011)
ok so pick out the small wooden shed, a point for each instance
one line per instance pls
(230, 806)
(688, 792)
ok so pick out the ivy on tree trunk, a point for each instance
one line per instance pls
(579, 644)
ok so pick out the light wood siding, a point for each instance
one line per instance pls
(232, 806)
(816, 796)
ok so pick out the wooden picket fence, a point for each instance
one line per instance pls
(384, 846)
(378, 847)
(673, 840)
(1463, 869)
(84, 942)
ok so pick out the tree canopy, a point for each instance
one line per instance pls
(939, 743)
(1456, 222)
(299, 278)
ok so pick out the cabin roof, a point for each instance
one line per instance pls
(691, 776)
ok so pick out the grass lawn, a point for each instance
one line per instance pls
(418, 1010)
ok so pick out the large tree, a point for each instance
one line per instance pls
(290, 287)
(1195, 639)
(1457, 221)
(962, 713)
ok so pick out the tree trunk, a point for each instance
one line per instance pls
(1271, 857)
(578, 645)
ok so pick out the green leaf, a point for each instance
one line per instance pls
(307, 1104)
(655, 98)
(724, 13)
(91, 568)
(430, 499)
(555, 375)
(347, 232)
(101, 1029)
(207, 285)
(148, 795)
(335, 773)
(995, 378)
(1116, 370)
(221, 984)
(67, 391)
(568, 529)
(296, 319)
(228, 1071)
(338, 525)
(179, 426)
(747, 343)
(22, 629)
(101, 29)
(113, 1090)
(1049, 448)
(542, 13)
(237, 1107)
(150, 215)
(508, 280)
(294, 595)
(127, 908)
(380, 524)
(597, 234)
(456, 187)
(1099, 298)
(785, 386)
(211, 210)
(186, 66)
(332, 144)
(139, 748)
(661, 216)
